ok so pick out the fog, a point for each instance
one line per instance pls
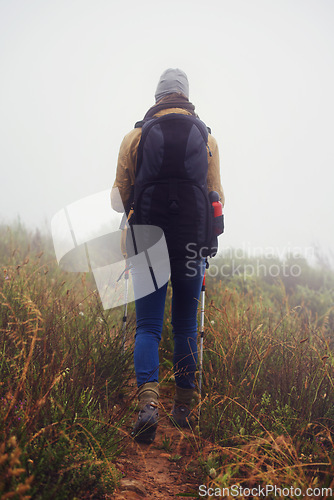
(77, 75)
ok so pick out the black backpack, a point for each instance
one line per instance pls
(170, 188)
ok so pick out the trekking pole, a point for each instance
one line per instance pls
(201, 338)
(125, 314)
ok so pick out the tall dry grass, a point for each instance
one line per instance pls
(63, 378)
(267, 408)
(268, 402)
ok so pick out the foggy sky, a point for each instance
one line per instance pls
(76, 75)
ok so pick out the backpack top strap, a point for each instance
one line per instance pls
(140, 123)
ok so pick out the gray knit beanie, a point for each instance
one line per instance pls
(172, 80)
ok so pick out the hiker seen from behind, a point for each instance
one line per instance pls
(168, 176)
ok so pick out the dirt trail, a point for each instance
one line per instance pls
(160, 472)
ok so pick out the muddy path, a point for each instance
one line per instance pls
(168, 468)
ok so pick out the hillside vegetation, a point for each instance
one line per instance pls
(267, 406)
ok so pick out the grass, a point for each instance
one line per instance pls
(267, 406)
(63, 378)
(166, 443)
(268, 399)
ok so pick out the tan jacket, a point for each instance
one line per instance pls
(127, 160)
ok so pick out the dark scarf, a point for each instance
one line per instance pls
(171, 101)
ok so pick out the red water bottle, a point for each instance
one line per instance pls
(217, 212)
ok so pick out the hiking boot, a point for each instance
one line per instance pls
(181, 409)
(146, 426)
(181, 415)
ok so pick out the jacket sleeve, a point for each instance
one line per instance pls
(214, 182)
(125, 172)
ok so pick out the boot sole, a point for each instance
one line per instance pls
(146, 434)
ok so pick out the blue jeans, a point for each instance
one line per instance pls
(186, 286)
